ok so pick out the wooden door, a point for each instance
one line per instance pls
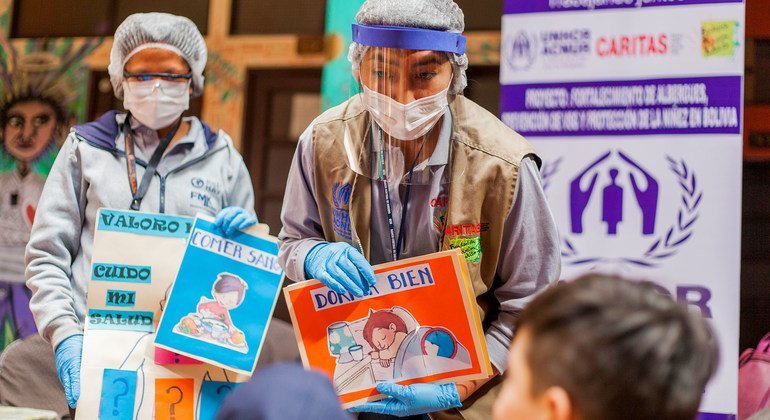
(279, 106)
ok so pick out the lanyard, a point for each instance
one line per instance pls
(396, 244)
(138, 192)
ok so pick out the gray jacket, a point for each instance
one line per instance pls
(200, 173)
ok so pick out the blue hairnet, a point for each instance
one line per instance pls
(441, 15)
(176, 33)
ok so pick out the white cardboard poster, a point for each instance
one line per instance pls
(135, 260)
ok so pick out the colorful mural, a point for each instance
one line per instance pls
(42, 93)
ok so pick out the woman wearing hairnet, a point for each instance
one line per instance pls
(150, 159)
(409, 167)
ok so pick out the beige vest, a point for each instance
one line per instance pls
(479, 200)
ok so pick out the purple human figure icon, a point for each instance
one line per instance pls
(612, 204)
(579, 197)
(647, 199)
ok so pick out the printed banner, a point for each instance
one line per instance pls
(420, 324)
(135, 260)
(536, 6)
(636, 110)
(223, 298)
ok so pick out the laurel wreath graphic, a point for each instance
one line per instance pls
(663, 246)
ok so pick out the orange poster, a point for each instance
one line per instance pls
(419, 324)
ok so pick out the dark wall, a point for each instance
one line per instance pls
(755, 254)
(85, 18)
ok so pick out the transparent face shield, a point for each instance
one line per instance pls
(408, 137)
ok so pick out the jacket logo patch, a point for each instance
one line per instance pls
(203, 193)
(469, 245)
(466, 229)
(467, 238)
(341, 198)
(439, 220)
(440, 201)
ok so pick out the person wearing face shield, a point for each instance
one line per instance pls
(410, 167)
(151, 158)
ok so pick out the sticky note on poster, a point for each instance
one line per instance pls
(174, 399)
(165, 357)
(118, 395)
(213, 394)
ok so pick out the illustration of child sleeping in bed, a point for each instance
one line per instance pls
(398, 348)
(384, 331)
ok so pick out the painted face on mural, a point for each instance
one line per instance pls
(29, 129)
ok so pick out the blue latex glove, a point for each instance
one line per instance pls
(340, 267)
(230, 219)
(412, 400)
(68, 355)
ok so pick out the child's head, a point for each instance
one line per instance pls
(229, 290)
(607, 348)
(381, 328)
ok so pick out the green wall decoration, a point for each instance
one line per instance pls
(337, 83)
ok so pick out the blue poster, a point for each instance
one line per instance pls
(223, 298)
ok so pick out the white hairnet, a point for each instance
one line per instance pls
(441, 15)
(178, 33)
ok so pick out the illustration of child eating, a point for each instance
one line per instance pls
(211, 322)
(384, 331)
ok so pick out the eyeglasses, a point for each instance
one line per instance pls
(143, 77)
(143, 84)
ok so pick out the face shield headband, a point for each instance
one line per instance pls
(409, 38)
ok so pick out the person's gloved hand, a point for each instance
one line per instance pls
(230, 219)
(340, 267)
(412, 400)
(68, 356)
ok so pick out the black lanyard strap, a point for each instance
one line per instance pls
(396, 250)
(138, 192)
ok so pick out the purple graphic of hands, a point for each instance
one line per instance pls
(579, 198)
(647, 199)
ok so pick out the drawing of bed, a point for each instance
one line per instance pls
(390, 345)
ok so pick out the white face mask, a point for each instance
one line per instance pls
(406, 122)
(151, 106)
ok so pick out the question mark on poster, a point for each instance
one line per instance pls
(228, 388)
(181, 397)
(173, 399)
(213, 394)
(115, 411)
(118, 394)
